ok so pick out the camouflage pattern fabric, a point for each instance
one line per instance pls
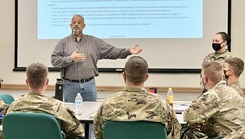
(134, 104)
(239, 134)
(217, 58)
(237, 87)
(40, 103)
(3, 108)
(216, 113)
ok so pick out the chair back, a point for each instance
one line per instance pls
(7, 98)
(134, 130)
(20, 125)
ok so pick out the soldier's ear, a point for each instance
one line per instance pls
(47, 81)
(204, 80)
(230, 72)
(146, 77)
(124, 77)
(225, 43)
(27, 82)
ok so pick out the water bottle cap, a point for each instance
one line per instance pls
(169, 88)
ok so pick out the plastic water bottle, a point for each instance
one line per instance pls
(170, 96)
(78, 103)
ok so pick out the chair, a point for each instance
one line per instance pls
(21, 125)
(7, 98)
(134, 130)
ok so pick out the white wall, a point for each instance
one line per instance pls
(7, 25)
(238, 32)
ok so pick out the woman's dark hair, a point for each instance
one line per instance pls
(225, 37)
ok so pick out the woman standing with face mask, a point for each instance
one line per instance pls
(219, 45)
(220, 42)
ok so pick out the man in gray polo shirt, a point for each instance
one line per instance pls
(78, 54)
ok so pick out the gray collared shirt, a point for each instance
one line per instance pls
(92, 47)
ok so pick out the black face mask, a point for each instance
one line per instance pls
(204, 88)
(216, 46)
(226, 76)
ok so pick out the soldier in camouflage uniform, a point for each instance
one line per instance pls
(36, 101)
(217, 112)
(239, 134)
(233, 68)
(220, 41)
(135, 103)
(3, 107)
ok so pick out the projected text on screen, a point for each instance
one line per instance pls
(123, 18)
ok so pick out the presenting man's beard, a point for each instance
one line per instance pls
(75, 31)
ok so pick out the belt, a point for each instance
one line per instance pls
(80, 81)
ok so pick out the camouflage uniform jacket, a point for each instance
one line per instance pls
(134, 104)
(40, 103)
(237, 87)
(219, 111)
(3, 107)
(218, 57)
(239, 134)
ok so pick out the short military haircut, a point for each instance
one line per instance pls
(136, 70)
(213, 71)
(225, 37)
(36, 74)
(236, 64)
